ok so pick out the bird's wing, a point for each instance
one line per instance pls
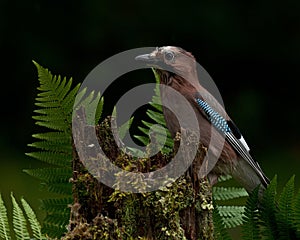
(232, 135)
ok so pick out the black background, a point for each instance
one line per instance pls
(250, 48)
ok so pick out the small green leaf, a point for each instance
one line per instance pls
(124, 128)
(4, 226)
(34, 223)
(227, 193)
(19, 221)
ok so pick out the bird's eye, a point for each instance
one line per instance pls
(169, 56)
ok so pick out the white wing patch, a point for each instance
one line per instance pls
(242, 140)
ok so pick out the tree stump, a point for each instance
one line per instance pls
(180, 210)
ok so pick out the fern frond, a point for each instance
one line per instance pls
(19, 221)
(232, 215)
(55, 103)
(53, 229)
(251, 226)
(55, 124)
(224, 178)
(51, 175)
(63, 188)
(59, 159)
(92, 105)
(296, 207)
(285, 200)
(144, 140)
(69, 99)
(227, 193)
(52, 146)
(156, 117)
(59, 137)
(4, 226)
(57, 205)
(124, 128)
(58, 213)
(220, 232)
(55, 224)
(34, 223)
(285, 214)
(99, 110)
(57, 219)
(269, 210)
(158, 135)
(53, 91)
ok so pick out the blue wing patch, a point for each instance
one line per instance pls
(214, 117)
(233, 136)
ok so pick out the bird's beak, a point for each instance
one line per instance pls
(147, 58)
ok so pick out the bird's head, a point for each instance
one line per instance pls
(169, 61)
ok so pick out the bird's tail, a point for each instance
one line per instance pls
(249, 178)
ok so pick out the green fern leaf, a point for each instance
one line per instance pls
(78, 97)
(224, 178)
(296, 207)
(59, 137)
(55, 103)
(51, 175)
(99, 110)
(269, 210)
(92, 105)
(232, 215)
(157, 117)
(34, 223)
(53, 91)
(64, 88)
(251, 230)
(69, 99)
(144, 140)
(48, 111)
(59, 188)
(156, 105)
(220, 232)
(52, 146)
(53, 229)
(57, 205)
(159, 135)
(19, 221)
(58, 213)
(59, 159)
(227, 193)
(285, 201)
(124, 128)
(54, 124)
(89, 104)
(55, 224)
(4, 226)
(285, 214)
(144, 130)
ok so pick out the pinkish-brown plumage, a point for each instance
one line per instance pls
(177, 69)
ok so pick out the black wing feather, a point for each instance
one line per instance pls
(233, 136)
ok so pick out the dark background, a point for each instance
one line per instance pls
(251, 50)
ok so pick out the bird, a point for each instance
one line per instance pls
(177, 69)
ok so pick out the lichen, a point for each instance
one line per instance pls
(181, 209)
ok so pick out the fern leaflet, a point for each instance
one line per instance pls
(34, 223)
(4, 226)
(55, 107)
(232, 215)
(19, 221)
(269, 210)
(251, 229)
(227, 193)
